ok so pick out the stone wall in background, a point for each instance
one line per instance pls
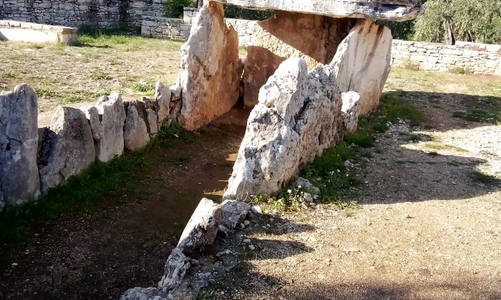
(75, 13)
(157, 26)
(468, 57)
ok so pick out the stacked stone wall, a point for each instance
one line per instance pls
(75, 13)
(470, 57)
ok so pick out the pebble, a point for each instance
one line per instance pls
(14, 264)
(252, 248)
(247, 241)
(246, 223)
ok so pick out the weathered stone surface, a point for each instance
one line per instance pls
(202, 227)
(175, 269)
(152, 121)
(144, 294)
(362, 62)
(135, 131)
(395, 10)
(163, 96)
(298, 116)
(234, 212)
(19, 180)
(108, 129)
(350, 110)
(70, 147)
(210, 69)
(311, 37)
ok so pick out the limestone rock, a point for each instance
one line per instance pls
(69, 149)
(202, 227)
(234, 212)
(163, 96)
(210, 69)
(19, 180)
(394, 10)
(175, 269)
(96, 127)
(298, 116)
(312, 37)
(152, 121)
(135, 131)
(362, 62)
(350, 110)
(144, 294)
(112, 117)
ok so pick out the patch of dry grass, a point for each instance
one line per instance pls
(100, 64)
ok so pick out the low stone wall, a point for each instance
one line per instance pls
(37, 33)
(157, 26)
(33, 160)
(472, 57)
(74, 13)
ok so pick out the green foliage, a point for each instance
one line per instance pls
(466, 20)
(399, 30)
(235, 12)
(460, 70)
(174, 8)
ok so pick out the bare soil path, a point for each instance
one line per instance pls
(427, 223)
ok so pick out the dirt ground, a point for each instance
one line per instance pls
(426, 226)
(427, 223)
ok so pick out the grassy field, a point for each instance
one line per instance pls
(101, 63)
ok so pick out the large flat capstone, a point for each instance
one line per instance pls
(394, 10)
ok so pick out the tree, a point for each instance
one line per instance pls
(464, 20)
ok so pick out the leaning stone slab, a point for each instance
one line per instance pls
(69, 148)
(297, 117)
(175, 269)
(363, 61)
(110, 141)
(393, 10)
(202, 227)
(19, 180)
(210, 69)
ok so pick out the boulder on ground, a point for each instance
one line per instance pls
(234, 212)
(362, 62)
(68, 150)
(350, 110)
(175, 269)
(202, 227)
(144, 294)
(19, 179)
(210, 69)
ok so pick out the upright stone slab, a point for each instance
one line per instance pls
(297, 117)
(363, 61)
(287, 34)
(136, 133)
(68, 147)
(210, 69)
(112, 119)
(19, 180)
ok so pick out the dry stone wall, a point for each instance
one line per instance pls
(472, 57)
(95, 13)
